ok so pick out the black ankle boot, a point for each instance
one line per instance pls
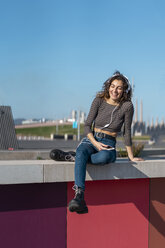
(78, 204)
(72, 153)
(59, 155)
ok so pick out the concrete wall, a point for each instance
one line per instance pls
(123, 213)
(118, 215)
(33, 216)
(157, 213)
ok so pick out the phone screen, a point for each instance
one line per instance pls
(110, 148)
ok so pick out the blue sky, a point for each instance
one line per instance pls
(55, 55)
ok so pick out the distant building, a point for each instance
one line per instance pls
(139, 128)
(31, 121)
(82, 117)
(74, 115)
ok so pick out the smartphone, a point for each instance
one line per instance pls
(110, 148)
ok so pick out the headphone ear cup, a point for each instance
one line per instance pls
(129, 88)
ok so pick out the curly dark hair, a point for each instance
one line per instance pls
(127, 93)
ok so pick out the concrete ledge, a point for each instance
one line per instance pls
(24, 154)
(17, 172)
(44, 171)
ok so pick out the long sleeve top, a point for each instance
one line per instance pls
(102, 113)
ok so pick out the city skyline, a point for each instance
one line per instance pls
(55, 56)
(73, 116)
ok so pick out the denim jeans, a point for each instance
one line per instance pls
(87, 153)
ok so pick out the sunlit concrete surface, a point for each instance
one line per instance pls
(43, 171)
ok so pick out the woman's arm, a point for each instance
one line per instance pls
(127, 133)
(92, 115)
(130, 154)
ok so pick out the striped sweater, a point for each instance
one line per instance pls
(102, 113)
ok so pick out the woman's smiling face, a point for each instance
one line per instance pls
(116, 90)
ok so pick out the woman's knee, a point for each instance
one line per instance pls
(103, 157)
(84, 148)
(81, 149)
(82, 153)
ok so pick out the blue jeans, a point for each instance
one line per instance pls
(87, 153)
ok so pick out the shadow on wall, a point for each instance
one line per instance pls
(33, 215)
(157, 204)
(154, 192)
(32, 196)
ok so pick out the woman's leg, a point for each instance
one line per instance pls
(83, 154)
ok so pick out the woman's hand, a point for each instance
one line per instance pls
(130, 155)
(135, 159)
(100, 146)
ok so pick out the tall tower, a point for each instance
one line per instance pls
(152, 122)
(136, 111)
(141, 111)
(162, 122)
(157, 122)
(132, 87)
(82, 117)
(74, 115)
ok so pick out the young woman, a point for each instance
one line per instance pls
(111, 108)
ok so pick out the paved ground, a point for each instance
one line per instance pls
(70, 144)
(48, 144)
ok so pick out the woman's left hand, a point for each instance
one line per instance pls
(136, 159)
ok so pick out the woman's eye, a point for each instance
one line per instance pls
(118, 88)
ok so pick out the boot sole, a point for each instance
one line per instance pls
(79, 211)
(84, 211)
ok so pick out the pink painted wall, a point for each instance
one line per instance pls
(36, 215)
(33, 216)
(157, 213)
(118, 215)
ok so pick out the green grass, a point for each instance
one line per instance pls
(62, 129)
(145, 137)
(137, 149)
(46, 131)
